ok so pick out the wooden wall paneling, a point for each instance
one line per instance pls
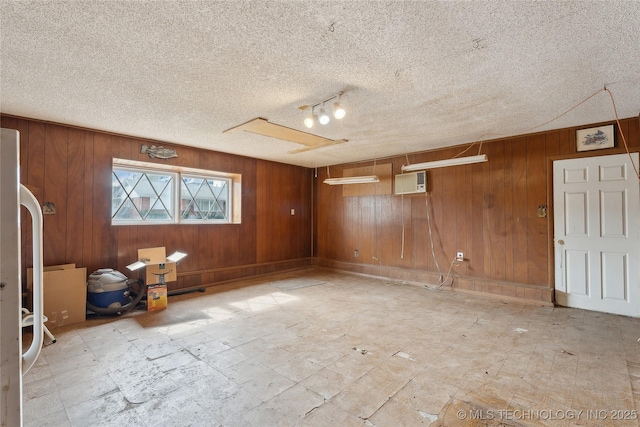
(101, 241)
(496, 211)
(486, 213)
(563, 142)
(87, 201)
(536, 195)
(633, 132)
(10, 123)
(553, 146)
(404, 220)
(475, 262)
(621, 128)
(313, 220)
(204, 249)
(371, 227)
(121, 240)
(520, 218)
(35, 141)
(169, 238)
(156, 235)
(302, 218)
(189, 157)
(119, 235)
(189, 235)
(433, 216)
(391, 214)
(263, 213)
(248, 230)
(419, 232)
(320, 217)
(274, 187)
(97, 244)
(55, 191)
(332, 232)
(464, 223)
(352, 230)
(508, 211)
(137, 237)
(283, 223)
(373, 230)
(448, 234)
(75, 196)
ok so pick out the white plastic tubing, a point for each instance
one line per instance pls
(28, 200)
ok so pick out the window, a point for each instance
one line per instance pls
(204, 199)
(156, 194)
(139, 195)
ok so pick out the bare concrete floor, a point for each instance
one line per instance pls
(322, 348)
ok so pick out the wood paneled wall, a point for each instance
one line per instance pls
(488, 210)
(71, 167)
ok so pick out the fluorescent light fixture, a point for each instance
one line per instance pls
(176, 256)
(136, 265)
(352, 180)
(444, 163)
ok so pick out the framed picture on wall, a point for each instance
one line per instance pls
(595, 138)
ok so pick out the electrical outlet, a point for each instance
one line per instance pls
(356, 253)
(459, 256)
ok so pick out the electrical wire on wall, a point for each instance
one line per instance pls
(443, 278)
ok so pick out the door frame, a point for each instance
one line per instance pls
(551, 208)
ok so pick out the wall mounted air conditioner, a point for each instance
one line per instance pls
(411, 183)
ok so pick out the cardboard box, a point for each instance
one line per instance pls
(64, 294)
(156, 297)
(157, 266)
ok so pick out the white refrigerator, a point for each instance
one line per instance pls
(13, 363)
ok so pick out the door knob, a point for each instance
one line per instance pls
(561, 242)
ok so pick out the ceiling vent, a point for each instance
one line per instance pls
(411, 183)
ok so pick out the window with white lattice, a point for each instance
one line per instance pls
(157, 194)
(204, 199)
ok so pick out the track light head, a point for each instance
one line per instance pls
(338, 111)
(323, 118)
(310, 120)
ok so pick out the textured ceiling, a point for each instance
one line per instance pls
(416, 75)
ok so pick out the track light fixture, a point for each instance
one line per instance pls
(323, 118)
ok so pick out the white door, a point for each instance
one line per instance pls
(597, 234)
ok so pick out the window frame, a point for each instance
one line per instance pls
(228, 207)
(143, 170)
(233, 192)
